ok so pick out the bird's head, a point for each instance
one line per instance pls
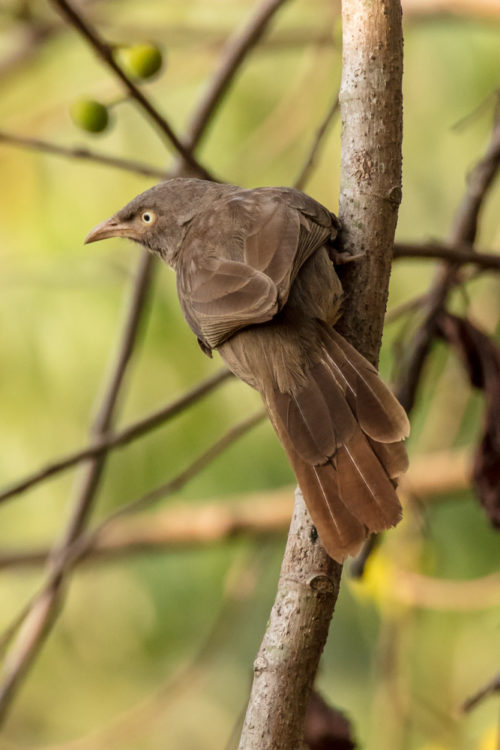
(157, 218)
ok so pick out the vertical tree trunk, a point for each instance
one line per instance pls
(371, 108)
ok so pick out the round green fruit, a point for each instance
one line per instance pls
(141, 60)
(90, 115)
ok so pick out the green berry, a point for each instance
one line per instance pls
(89, 114)
(141, 60)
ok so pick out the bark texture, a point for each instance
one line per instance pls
(370, 190)
(288, 658)
(371, 109)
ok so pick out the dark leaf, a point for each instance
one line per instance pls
(481, 357)
(326, 728)
(486, 474)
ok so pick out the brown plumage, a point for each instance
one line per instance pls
(256, 281)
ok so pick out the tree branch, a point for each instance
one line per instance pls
(371, 112)
(463, 232)
(209, 522)
(105, 52)
(234, 53)
(40, 614)
(493, 686)
(181, 527)
(456, 254)
(79, 548)
(475, 8)
(108, 442)
(175, 484)
(316, 145)
(84, 154)
(44, 611)
(288, 658)
(35, 34)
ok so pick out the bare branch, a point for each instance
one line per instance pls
(179, 527)
(84, 154)
(406, 307)
(234, 53)
(136, 719)
(371, 177)
(463, 232)
(81, 546)
(44, 610)
(119, 439)
(211, 521)
(34, 36)
(358, 565)
(317, 143)
(288, 658)
(475, 8)
(105, 52)
(370, 169)
(457, 254)
(493, 686)
(175, 484)
(40, 617)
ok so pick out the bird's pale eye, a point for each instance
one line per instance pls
(148, 217)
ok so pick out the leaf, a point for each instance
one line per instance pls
(486, 473)
(326, 728)
(481, 357)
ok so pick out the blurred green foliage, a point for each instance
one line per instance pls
(111, 669)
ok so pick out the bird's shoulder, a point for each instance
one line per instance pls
(236, 215)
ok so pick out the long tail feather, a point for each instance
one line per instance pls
(340, 531)
(343, 432)
(340, 425)
(364, 482)
(379, 413)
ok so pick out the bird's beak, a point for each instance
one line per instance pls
(112, 227)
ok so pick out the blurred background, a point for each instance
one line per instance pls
(154, 649)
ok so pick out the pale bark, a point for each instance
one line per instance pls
(370, 190)
(371, 108)
(287, 661)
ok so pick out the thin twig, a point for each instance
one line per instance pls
(462, 233)
(178, 527)
(105, 52)
(477, 9)
(118, 439)
(194, 468)
(234, 53)
(44, 610)
(39, 619)
(80, 547)
(316, 145)
(493, 686)
(34, 36)
(408, 306)
(430, 476)
(456, 254)
(358, 565)
(84, 154)
(137, 718)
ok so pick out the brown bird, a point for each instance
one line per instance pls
(256, 280)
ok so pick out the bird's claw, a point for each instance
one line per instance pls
(341, 257)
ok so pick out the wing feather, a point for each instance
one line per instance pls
(237, 270)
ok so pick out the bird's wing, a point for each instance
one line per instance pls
(240, 259)
(221, 296)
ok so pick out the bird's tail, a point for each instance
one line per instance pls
(343, 430)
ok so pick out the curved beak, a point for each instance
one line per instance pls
(111, 227)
